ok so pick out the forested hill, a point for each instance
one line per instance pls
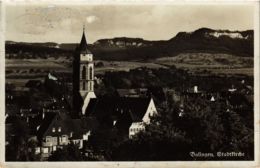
(238, 43)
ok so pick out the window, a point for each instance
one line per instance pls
(54, 148)
(48, 138)
(90, 73)
(54, 139)
(37, 150)
(64, 138)
(45, 150)
(84, 72)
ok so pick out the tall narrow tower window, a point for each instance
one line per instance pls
(84, 86)
(90, 87)
(84, 72)
(90, 73)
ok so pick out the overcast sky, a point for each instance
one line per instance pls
(63, 24)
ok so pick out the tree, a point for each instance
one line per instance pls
(104, 140)
(21, 148)
(161, 140)
(70, 152)
(204, 127)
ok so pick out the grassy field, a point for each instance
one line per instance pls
(58, 64)
(19, 71)
(214, 63)
(125, 66)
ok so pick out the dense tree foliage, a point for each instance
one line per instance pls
(173, 77)
(67, 153)
(21, 147)
(204, 127)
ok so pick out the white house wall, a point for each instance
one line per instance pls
(139, 126)
(135, 128)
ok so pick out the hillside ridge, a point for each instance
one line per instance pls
(124, 48)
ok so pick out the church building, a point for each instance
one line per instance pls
(83, 77)
(128, 114)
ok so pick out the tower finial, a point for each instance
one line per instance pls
(84, 27)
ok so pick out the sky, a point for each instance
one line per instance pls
(64, 24)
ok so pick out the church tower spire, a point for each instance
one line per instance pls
(83, 76)
(83, 43)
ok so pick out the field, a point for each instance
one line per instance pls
(213, 63)
(57, 64)
(19, 71)
(125, 66)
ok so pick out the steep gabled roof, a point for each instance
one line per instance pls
(135, 107)
(46, 123)
(65, 122)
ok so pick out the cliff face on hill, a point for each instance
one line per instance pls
(240, 43)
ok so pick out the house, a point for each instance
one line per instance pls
(126, 92)
(59, 129)
(194, 90)
(173, 94)
(128, 114)
(139, 92)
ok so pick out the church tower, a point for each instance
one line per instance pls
(83, 77)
